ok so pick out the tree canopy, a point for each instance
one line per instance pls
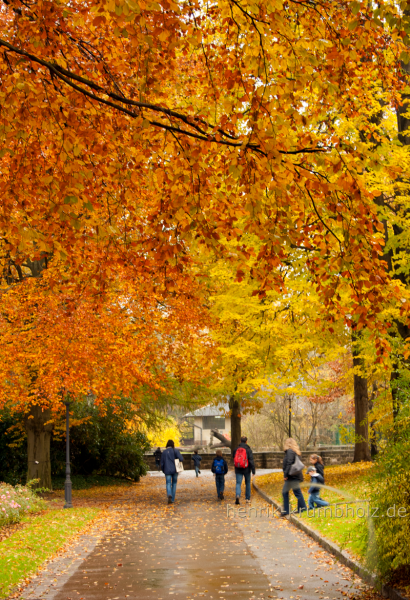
(175, 174)
(129, 127)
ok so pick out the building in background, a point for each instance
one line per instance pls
(199, 423)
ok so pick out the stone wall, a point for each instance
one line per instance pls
(332, 455)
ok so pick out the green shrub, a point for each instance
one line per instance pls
(101, 444)
(388, 533)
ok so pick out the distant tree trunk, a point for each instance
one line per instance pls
(39, 429)
(399, 329)
(235, 407)
(403, 330)
(374, 451)
(361, 410)
(290, 415)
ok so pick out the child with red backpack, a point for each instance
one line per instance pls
(244, 465)
(220, 468)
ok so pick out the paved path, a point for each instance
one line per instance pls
(199, 547)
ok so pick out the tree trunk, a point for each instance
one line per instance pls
(404, 332)
(290, 415)
(374, 451)
(361, 409)
(403, 128)
(235, 407)
(38, 428)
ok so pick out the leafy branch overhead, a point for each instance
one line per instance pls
(130, 128)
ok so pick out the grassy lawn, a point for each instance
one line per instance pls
(41, 537)
(349, 485)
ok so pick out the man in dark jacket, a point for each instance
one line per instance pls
(157, 456)
(244, 465)
(169, 469)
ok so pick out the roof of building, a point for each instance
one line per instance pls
(210, 411)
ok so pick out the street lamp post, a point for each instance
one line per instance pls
(68, 484)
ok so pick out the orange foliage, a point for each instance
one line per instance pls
(337, 380)
(128, 127)
(58, 345)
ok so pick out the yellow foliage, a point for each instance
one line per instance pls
(169, 430)
(273, 343)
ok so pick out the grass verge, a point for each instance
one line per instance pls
(41, 537)
(343, 521)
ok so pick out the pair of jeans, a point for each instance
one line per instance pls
(220, 482)
(294, 485)
(196, 470)
(171, 481)
(158, 463)
(315, 499)
(239, 479)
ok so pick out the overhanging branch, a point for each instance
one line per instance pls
(116, 102)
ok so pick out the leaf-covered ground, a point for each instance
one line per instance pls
(200, 547)
(348, 485)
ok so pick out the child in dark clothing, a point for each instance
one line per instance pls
(317, 462)
(196, 459)
(220, 469)
(158, 455)
(314, 491)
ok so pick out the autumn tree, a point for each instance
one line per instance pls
(58, 347)
(273, 346)
(390, 136)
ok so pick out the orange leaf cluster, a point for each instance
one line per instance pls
(56, 346)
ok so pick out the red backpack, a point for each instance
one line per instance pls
(241, 458)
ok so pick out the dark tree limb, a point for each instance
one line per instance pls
(236, 429)
(222, 438)
(116, 102)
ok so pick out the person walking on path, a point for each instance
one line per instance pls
(196, 459)
(244, 465)
(168, 458)
(157, 456)
(292, 481)
(314, 491)
(220, 469)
